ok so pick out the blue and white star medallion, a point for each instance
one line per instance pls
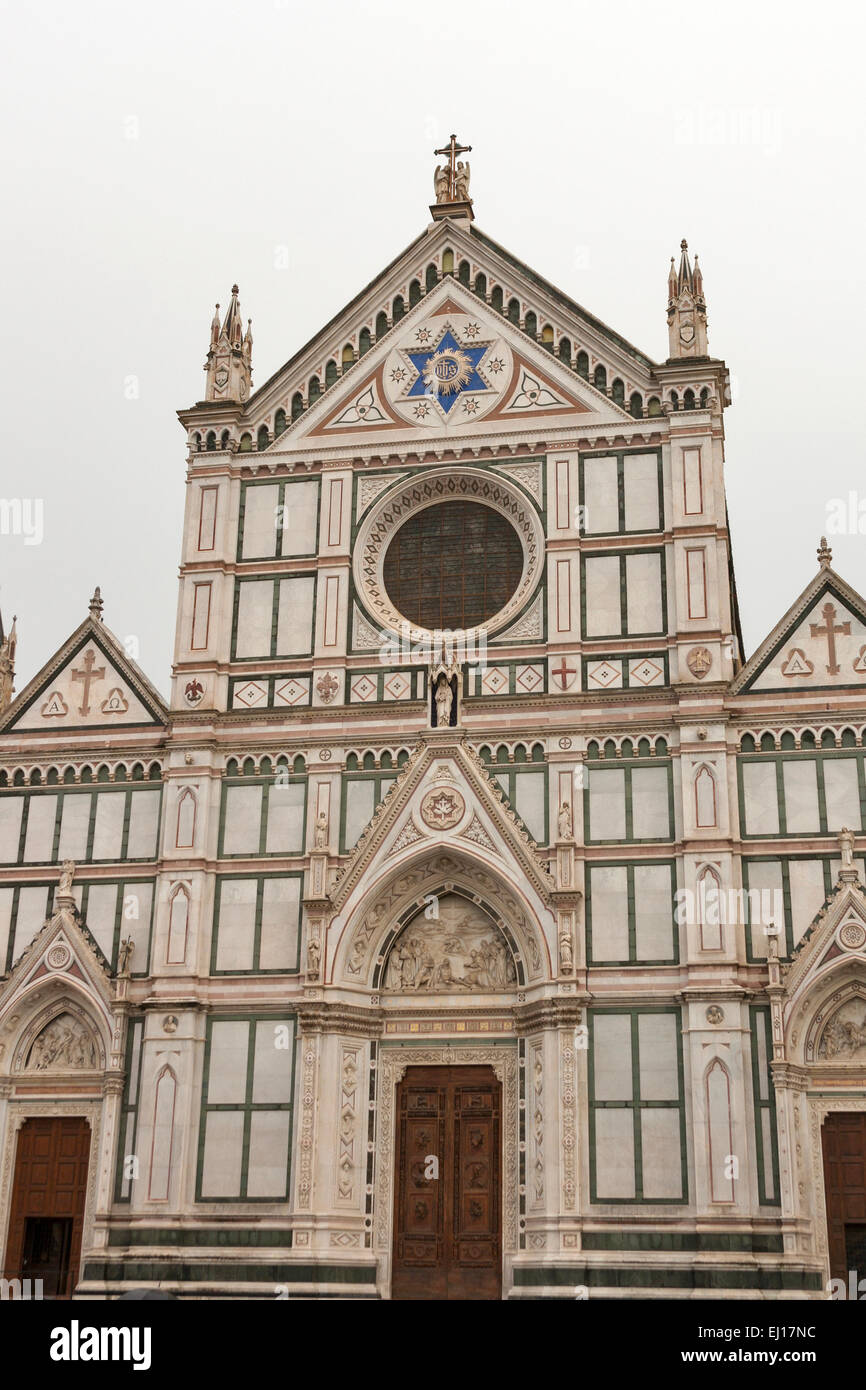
(447, 370)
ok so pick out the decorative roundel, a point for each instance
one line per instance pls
(59, 957)
(853, 936)
(448, 371)
(715, 1014)
(442, 808)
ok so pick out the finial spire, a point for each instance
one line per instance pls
(8, 643)
(96, 605)
(684, 276)
(229, 359)
(687, 310)
(825, 554)
(232, 326)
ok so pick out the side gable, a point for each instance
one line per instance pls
(90, 683)
(820, 644)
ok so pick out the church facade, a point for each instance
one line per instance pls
(474, 919)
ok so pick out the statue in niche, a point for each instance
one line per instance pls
(63, 1044)
(313, 954)
(321, 830)
(845, 1035)
(564, 822)
(443, 699)
(460, 951)
(566, 956)
(359, 951)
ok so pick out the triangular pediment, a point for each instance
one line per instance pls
(63, 957)
(824, 986)
(443, 796)
(515, 372)
(90, 683)
(838, 931)
(451, 365)
(56, 1007)
(820, 643)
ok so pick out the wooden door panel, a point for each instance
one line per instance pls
(51, 1165)
(419, 1221)
(474, 1268)
(844, 1145)
(447, 1229)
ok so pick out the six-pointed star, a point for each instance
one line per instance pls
(451, 367)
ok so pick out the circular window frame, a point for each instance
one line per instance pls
(391, 510)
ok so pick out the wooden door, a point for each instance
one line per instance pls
(844, 1142)
(448, 1202)
(48, 1197)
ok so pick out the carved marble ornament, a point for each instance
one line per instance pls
(461, 949)
(63, 1044)
(844, 1036)
(699, 660)
(442, 808)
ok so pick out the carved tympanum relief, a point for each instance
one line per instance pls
(460, 950)
(845, 1035)
(64, 1043)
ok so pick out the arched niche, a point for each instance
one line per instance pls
(381, 911)
(61, 1036)
(836, 1033)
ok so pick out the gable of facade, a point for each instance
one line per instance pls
(89, 684)
(820, 644)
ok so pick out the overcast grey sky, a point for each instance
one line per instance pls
(153, 153)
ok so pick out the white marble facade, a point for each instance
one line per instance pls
(621, 877)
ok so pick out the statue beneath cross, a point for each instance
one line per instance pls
(451, 180)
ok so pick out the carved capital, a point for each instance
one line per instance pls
(322, 1016)
(559, 1012)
